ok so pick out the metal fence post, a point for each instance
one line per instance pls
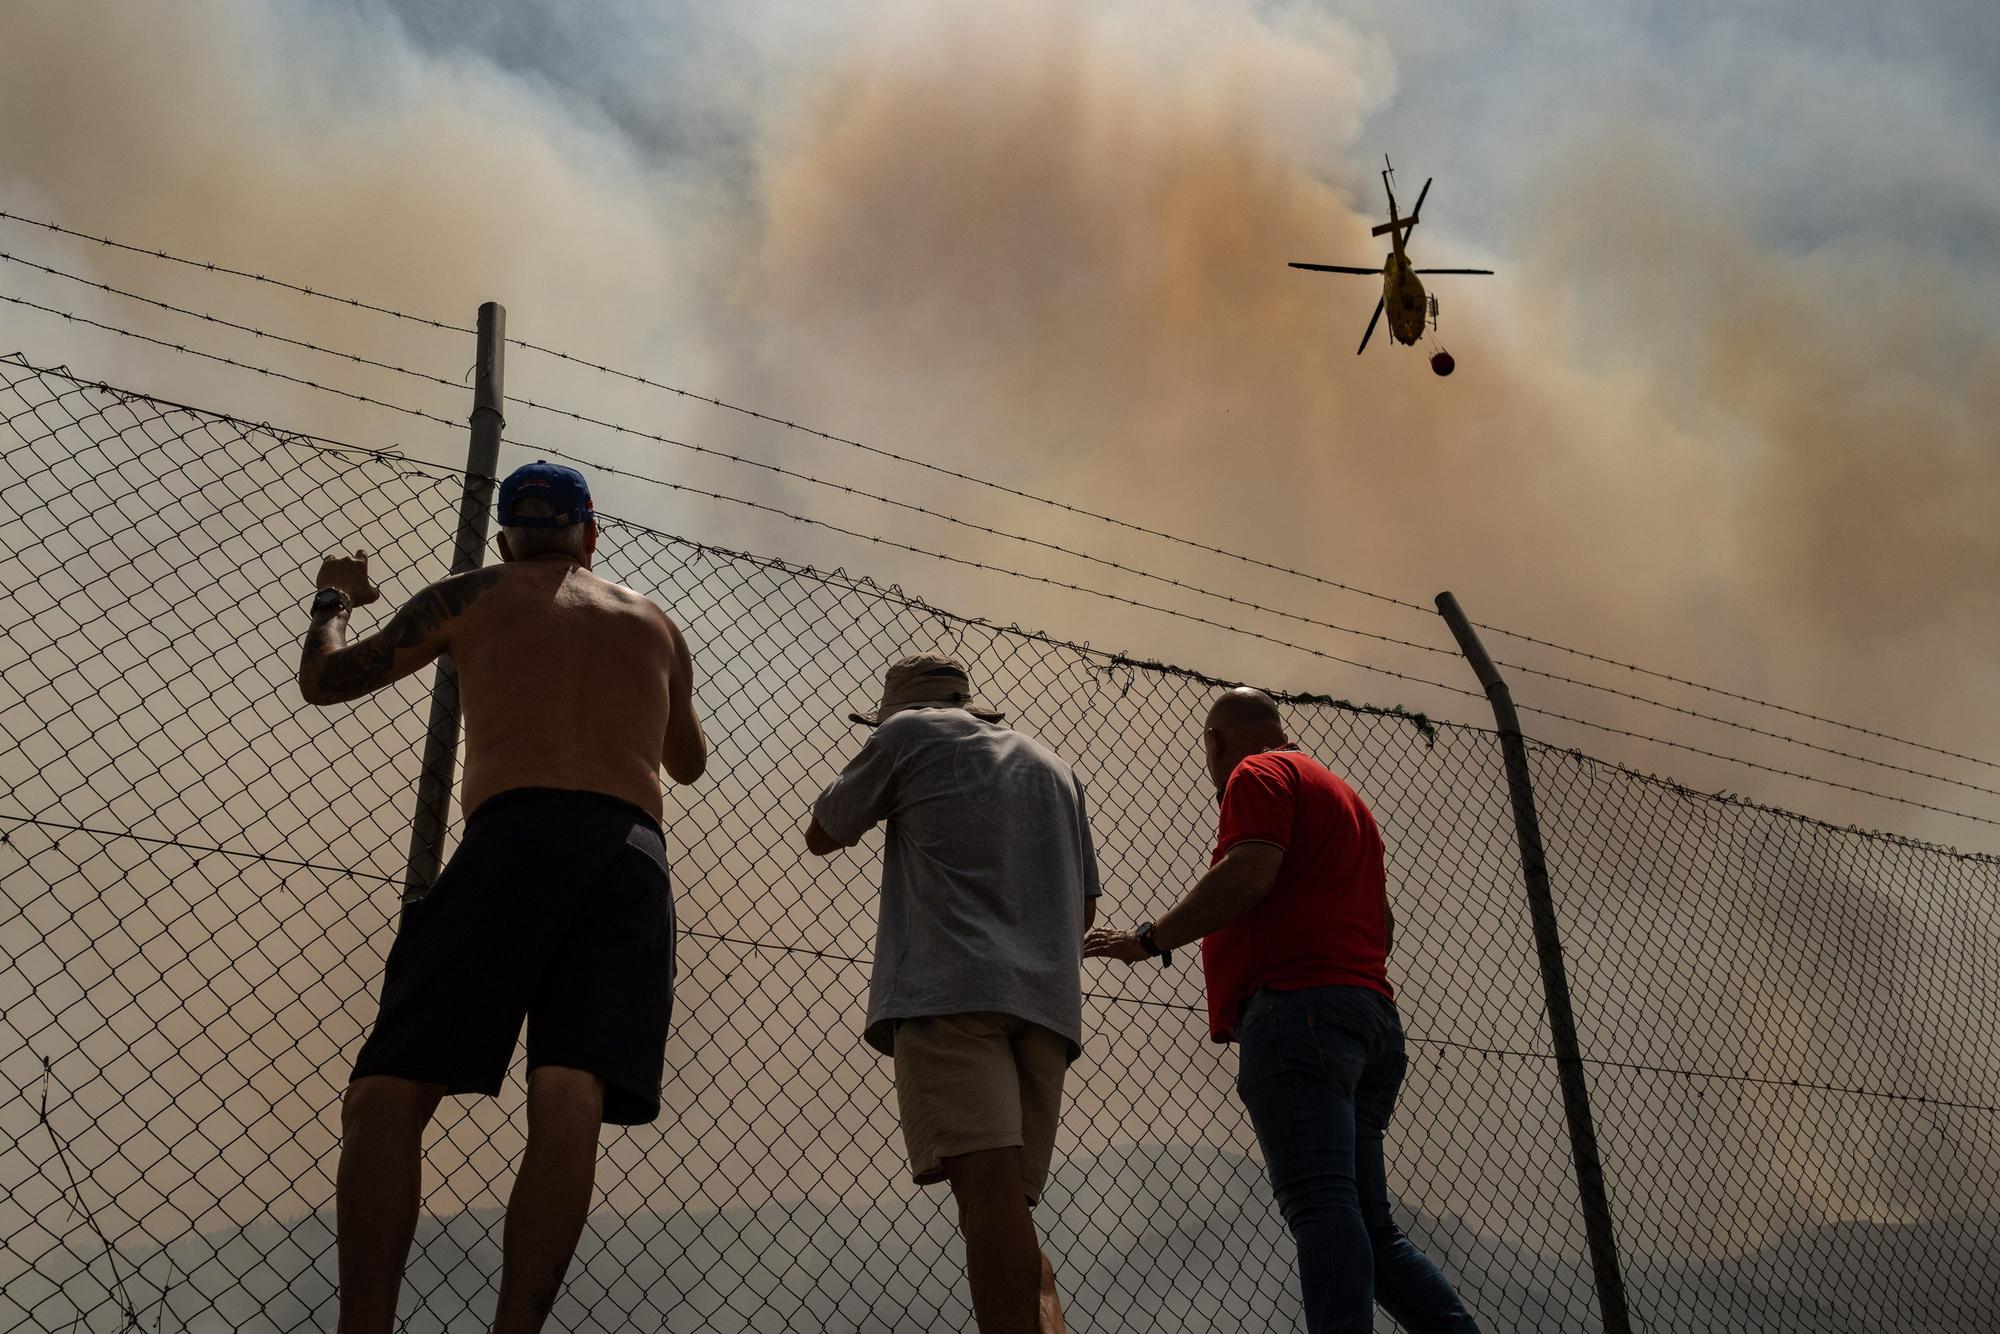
(475, 502)
(1555, 978)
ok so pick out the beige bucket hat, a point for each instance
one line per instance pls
(927, 679)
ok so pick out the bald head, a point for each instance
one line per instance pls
(1241, 722)
(1245, 707)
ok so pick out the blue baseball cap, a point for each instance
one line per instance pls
(567, 494)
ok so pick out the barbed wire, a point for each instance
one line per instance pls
(209, 318)
(838, 576)
(1752, 764)
(728, 456)
(758, 505)
(1096, 516)
(988, 567)
(1751, 729)
(254, 369)
(1738, 801)
(971, 525)
(207, 267)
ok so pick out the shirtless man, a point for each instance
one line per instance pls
(556, 905)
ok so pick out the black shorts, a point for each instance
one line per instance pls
(555, 908)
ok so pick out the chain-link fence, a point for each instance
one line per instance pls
(1789, 1030)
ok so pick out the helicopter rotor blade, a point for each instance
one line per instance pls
(1337, 268)
(1371, 327)
(1403, 225)
(1451, 271)
(1415, 212)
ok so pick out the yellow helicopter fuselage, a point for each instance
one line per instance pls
(1403, 298)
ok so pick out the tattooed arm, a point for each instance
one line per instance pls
(332, 671)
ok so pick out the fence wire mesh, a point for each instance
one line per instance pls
(1789, 1029)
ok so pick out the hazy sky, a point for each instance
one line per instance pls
(1728, 410)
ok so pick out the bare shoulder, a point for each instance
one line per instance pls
(641, 607)
(614, 592)
(631, 598)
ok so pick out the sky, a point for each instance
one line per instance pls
(1726, 411)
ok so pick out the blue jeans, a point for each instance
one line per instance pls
(1319, 1070)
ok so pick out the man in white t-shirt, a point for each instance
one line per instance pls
(989, 881)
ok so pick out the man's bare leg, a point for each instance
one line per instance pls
(1051, 1308)
(380, 1178)
(551, 1194)
(1051, 1312)
(1003, 1262)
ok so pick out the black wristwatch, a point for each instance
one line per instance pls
(1143, 933)
(329, 600)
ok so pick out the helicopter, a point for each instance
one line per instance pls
(1410, 307)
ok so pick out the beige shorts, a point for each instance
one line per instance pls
(967, 1082)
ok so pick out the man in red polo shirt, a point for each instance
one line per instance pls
(1294, 923)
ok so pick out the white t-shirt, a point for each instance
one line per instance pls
(987, 866)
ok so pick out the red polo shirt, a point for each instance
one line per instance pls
(1325, 920)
